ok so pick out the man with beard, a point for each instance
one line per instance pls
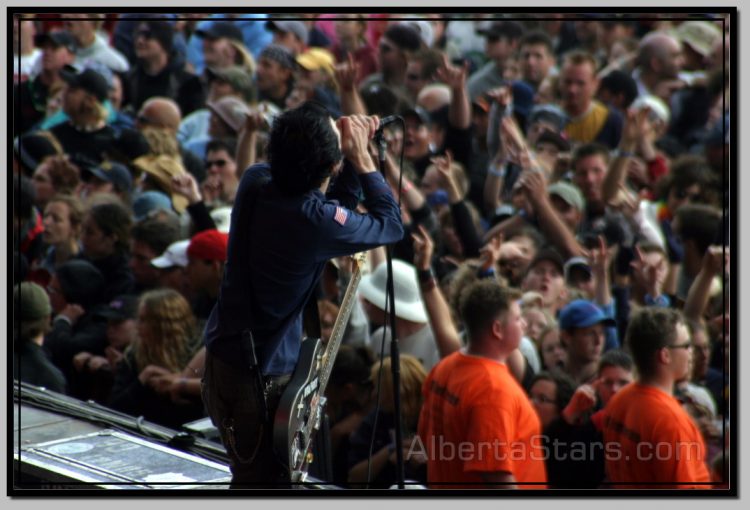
(86, 134)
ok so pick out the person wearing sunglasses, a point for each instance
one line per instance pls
(157, 72)
(220, 185)
(659, 446)
(394, 48)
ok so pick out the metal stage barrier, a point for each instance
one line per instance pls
(63, 443)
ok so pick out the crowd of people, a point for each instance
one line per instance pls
(562, 283)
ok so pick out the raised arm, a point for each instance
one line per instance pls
(714, 262)
(247, 140)
(550, 223)
(346, 76)
(635, 124)
(446, 334)
(459, 111)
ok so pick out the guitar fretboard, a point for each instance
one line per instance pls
(347, 303)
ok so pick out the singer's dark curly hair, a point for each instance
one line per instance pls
(303, 148)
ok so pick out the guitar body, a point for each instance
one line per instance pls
(297, 417)
(302, 404)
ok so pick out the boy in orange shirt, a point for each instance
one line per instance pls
(649, 440)
(478, 428)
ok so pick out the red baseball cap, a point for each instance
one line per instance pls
(208, 245)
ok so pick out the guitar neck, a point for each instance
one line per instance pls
(347, 304)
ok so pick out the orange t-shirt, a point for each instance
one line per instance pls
(651, 442)
(477, 418)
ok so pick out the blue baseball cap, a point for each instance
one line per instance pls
(149, 201)
(111, 171)
(582, 313)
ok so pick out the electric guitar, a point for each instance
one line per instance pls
(298, 415)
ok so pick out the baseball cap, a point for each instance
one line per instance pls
(32, 301)
(422, 115)
(523, 97)
(700, 35)
(81, 282)
(149, 201)
(289, 25)
(557, 139)
(221, 29)
(174, 256)
(570, 194)
(582, 313)
(88, 79)
(231, 110)
(279, 54)
(237, 78)
(406, 37)
(423, 28)
(110, 171)
(501, 28)
(315, 59)
(549, 113)
(32, 148)
(576, 263)
(549, 254)
(208, 245)
(58, 38)
(657, 106)
(121, 308)
(159, 30)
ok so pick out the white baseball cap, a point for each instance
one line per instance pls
(174, 256)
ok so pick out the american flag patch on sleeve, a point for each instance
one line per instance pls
(340, 216)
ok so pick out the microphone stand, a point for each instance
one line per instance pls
(395, 357)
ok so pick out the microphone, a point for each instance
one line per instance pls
(390, 119)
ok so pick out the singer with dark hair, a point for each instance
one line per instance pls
(290, 216)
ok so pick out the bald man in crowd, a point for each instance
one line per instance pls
(163, 114)
(659, 62)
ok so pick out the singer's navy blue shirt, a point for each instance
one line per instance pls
(282, 258)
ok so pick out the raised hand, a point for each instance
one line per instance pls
(444, 166)
(647, 275)
(489, 254)
(254, 121)
(451, 75)
(423, 248)
(212, 188)
(583, 400)
(534, 185)
(512, 140)
(599, 259)
(503, 96)
(346, 73)
(716, 259)
(185, 184)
